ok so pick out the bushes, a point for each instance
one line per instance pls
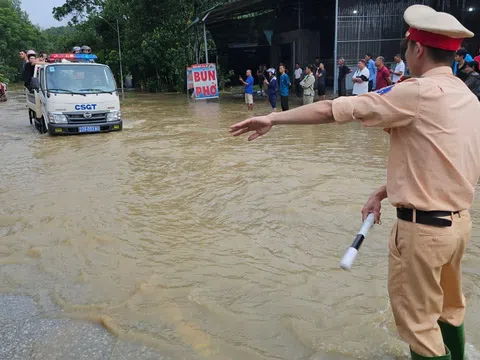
(7, 74)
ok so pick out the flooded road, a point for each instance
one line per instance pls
(207, 247)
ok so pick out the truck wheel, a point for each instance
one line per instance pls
(43, 126)
(30, 115)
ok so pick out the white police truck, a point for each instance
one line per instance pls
(73, 95)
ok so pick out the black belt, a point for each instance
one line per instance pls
(432, 218)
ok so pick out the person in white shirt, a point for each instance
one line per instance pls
(399, 69)
(298, 78)
(360, 78)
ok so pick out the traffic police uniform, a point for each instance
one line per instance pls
(433, 168)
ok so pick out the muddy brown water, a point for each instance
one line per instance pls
(202, 245)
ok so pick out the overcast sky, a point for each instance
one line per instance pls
(40, 12)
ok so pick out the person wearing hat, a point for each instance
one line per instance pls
(272, 88)
(86, 49)
(433, 168)
(29, 70)
(76, 50)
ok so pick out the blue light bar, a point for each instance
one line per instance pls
(86, 57)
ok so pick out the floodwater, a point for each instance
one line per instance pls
(203, 245)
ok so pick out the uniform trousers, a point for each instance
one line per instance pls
(425, 280)
(307, 99)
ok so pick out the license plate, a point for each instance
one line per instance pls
(83, 129)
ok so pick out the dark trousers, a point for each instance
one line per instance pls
(272, 99)
(370, 85)
(260, 82)
(284, 102)
(298, 88)
(342, 87)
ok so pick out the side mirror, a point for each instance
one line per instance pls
(35, 83)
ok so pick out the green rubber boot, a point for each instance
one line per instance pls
(420, 357)
(454, 339)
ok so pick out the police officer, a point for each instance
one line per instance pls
(433, 168)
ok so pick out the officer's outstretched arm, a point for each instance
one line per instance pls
(387, 108)
(390, 107)
(316, 113)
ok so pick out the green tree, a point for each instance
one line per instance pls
(155, 47)
(16, 33)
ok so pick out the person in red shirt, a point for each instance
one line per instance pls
(383, 74)
(477, 58)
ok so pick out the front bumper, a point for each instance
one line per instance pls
(72, 129)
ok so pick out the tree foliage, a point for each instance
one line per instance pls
(155, 46)
(78, 9)
(16, 33)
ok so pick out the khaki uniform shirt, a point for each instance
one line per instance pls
(308, 85)
(434, 126)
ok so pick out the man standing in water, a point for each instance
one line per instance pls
(399, 69)
(372, 70)
(272, 88)
(433, 168)
(261, 78)
(383, 75)
(343, 70)
(284, 88)
(248, 89)
(322, 77)
(298, 78)
(308, 84)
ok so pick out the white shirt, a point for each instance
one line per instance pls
(361, 88)
(298, 73)
(399, 67)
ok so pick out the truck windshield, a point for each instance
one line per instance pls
(80, 79)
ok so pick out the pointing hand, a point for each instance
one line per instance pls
(260, 124)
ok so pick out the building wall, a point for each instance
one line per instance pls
(307, 47)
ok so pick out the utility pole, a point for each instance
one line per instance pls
(119, 51)
(335, 51)
(197, 48)
(205, 37)
(120, 56)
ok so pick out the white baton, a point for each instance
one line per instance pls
(352, 251)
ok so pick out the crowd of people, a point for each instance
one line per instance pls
(305, 83)
(29, 59)
(370, 75)
(468, 69)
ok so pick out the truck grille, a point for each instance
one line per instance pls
(79, 118)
